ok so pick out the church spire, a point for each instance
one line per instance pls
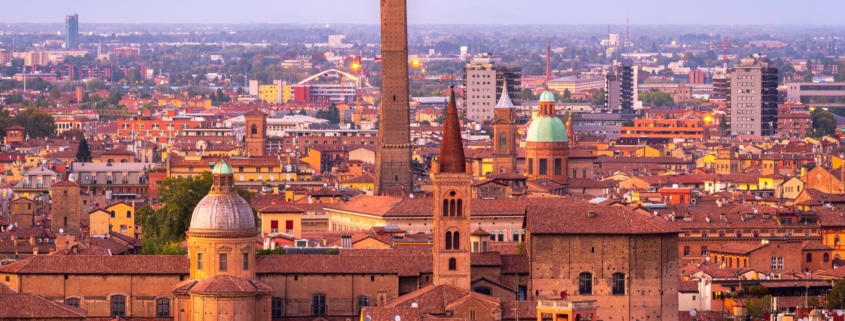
(505, 100)
(452, 148)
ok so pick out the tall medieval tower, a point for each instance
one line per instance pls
(504, 133)
(65, 209)
(452, 197)
(255, 136)
(393, 156)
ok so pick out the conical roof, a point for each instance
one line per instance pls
(452, 158)
(505, 100)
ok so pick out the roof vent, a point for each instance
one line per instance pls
(591, 214)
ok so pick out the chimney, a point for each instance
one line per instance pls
(723, 217)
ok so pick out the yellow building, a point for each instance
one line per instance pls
(364, 183)
(253, 172)
(360, 213)
(706, 161)
(270, 93)
(648, 151)
(99, 222)
(285, 219)
(122, 218)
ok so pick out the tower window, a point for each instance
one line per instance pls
(457, 243)
(460, 207)
(530, 166)
(254, 130)
(246, 261)
(453, 264)
(199, 261)
(448, 240)
(452, 208)
(445, 208)
(503, 142)
(544, 166)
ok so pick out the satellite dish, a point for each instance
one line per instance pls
(61, 231)
(414, 305)
(397, 318)
(692, 313)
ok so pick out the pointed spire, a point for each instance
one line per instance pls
(451, 147)
(505, 100)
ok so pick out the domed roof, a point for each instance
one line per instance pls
(546, 129)
(547, 96)
(222, 211)
(222, 168)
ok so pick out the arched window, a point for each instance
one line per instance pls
(809, 257)
(363, 301)
(254, 130)
(445, 208)
(617, 281)
(278, 308)
(460, 207)
(448, 240)
(163, 308)
(72, 302)
(826, 258)
(128, 214)
(111, 213)
(457, 243)
(318, 304)
(585, 283)
(501, 236)
(452, 209)
(501, 170)
(836, 240)
(118, 306)
(503, 141)
(483, 290)
(453, 264)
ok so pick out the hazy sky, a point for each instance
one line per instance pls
(652, 12)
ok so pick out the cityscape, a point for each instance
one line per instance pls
(387, 162)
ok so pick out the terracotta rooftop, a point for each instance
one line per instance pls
(70, 264)
(27, 306)
(738, 248)
(574, 219)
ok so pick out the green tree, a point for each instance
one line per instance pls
(167, 225)
(302, 112)
(758, 306)
(5, 121)
(657, 98)
(332, 114)
(823, 123)
(836, 296)
(527, 94)
(14, 99)
(95, 84)
(567, 94)
(599, 98)
(723, 123)
(55, 93)
(83, 153)
(35, 124)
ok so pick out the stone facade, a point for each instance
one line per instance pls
(66, 205)
(504, 141)
(255, 131)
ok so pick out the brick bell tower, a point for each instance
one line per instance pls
(452, 197)
(504, 134)
(255, 136)
(393, 155)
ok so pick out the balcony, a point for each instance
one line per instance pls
(566, 304)
(562, 309)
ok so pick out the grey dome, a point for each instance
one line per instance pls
(222, 212)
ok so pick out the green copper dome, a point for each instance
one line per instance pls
(222, 168)
(546, 129)
(547, 96)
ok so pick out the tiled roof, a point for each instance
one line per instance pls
(71, 264)
(486, 259)
(436, 299)
(360, 179)
(281, 208)
(573, 219)
(228, 284)
(738, 248)
(688, 286)
(388, 261)
(815, 246)
(515, 263)
(838, 272)
(29, 306)
(373, 205)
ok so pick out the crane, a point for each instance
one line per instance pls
(725, 47)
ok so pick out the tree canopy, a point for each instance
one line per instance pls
(823, 123)
(83, 153)
(657, 98)
(332, 114)
(164, 228)
(35, 124)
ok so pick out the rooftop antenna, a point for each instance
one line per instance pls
(548, 62)
(627, 33)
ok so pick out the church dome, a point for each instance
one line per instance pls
(546, 129)
(222, 208)
(547, 96)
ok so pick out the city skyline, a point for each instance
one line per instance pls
(721, 12)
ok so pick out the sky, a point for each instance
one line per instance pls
(644, 12)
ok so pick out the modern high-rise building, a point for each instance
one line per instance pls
(753, 97)
(484, 77)
(72, 31)
(621, 93)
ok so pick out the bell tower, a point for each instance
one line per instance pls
(452, 196)
(255, 136)
(393, 154)
(504, 135)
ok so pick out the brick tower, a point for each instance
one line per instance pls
(452, 197)
(393, 155)
(255, 136)
(66, 208)
(504, 133)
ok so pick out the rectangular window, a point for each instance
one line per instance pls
(289, 226)
(274, 226)
(530, 166)
(544, 166)
(199, 261)
(558, 166)
(246, 261)
(703, 251)
(686, 250)
(223, 264)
